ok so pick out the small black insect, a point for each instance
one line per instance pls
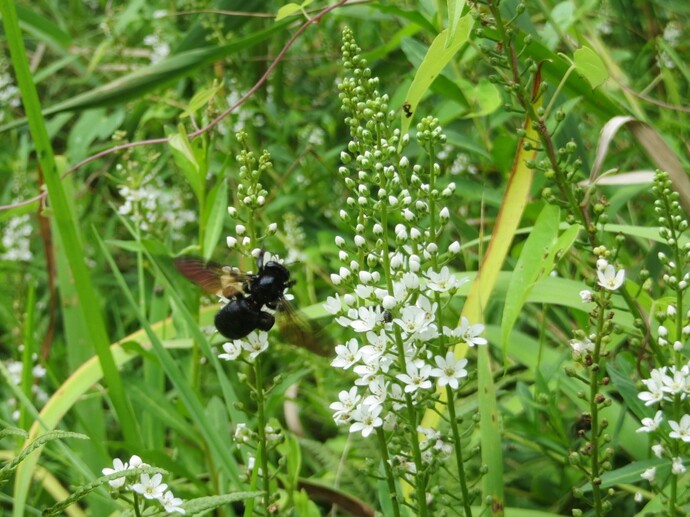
(249, 295)
(407, 108)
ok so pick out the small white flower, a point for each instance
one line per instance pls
(334, 304)
(649, 474)
(470, 333)
(347, 354)
(658, 450)
(366, 419)
(677, 466)
(242, 433)
(348, 400)
(609, 278)
(443, 281)
(368, 318)
(586, 296)
(680, 430)
(171, 503)
(655, 387)
(454, 247)
(449, 370)
(150, 487)
(255, 343)
(651, 424)
(415, 378)
(233, 349)
(581, 346)
(118, 466)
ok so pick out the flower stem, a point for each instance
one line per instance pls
(390, 479)
(458, 452)
(262, 451)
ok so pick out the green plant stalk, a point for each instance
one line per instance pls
(262, 453)
(679, 261)
(421, 477)
(545, 138)
(595, 473)
(66, 225)
(458, 452)
(390, 479)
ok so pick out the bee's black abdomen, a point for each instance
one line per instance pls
(240, 317)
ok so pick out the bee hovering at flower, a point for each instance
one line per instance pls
(249, 294)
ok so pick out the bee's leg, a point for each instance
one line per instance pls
(266, 321)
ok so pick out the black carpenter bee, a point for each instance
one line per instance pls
(249, 294)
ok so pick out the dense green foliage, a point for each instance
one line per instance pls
(484, 137)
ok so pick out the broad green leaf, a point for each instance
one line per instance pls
(590, 65)
(436, 58)
(483, 98)
(531, 266)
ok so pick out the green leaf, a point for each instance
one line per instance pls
(288, 10)
(436, 58)
(590, 65)
(531, 266)
(43, 29)
(483, 98)
(185, 158)
(214, 216)
(455, 8)
(200, 99)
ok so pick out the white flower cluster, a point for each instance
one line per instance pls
(16, 239)
(373, 355)
(152, 207)
(671, 385)
(151, 487)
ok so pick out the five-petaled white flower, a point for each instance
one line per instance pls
(347, 354)
(118, 466)
(171, 503)
(233, 349)
(255, 343)
(680, 430)
(470, 334)
(348, 400)
(150, 487)
(609, 278)
(415, 378)
(449, 370)
(366, 419)
(651, 424)
(443, 281)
